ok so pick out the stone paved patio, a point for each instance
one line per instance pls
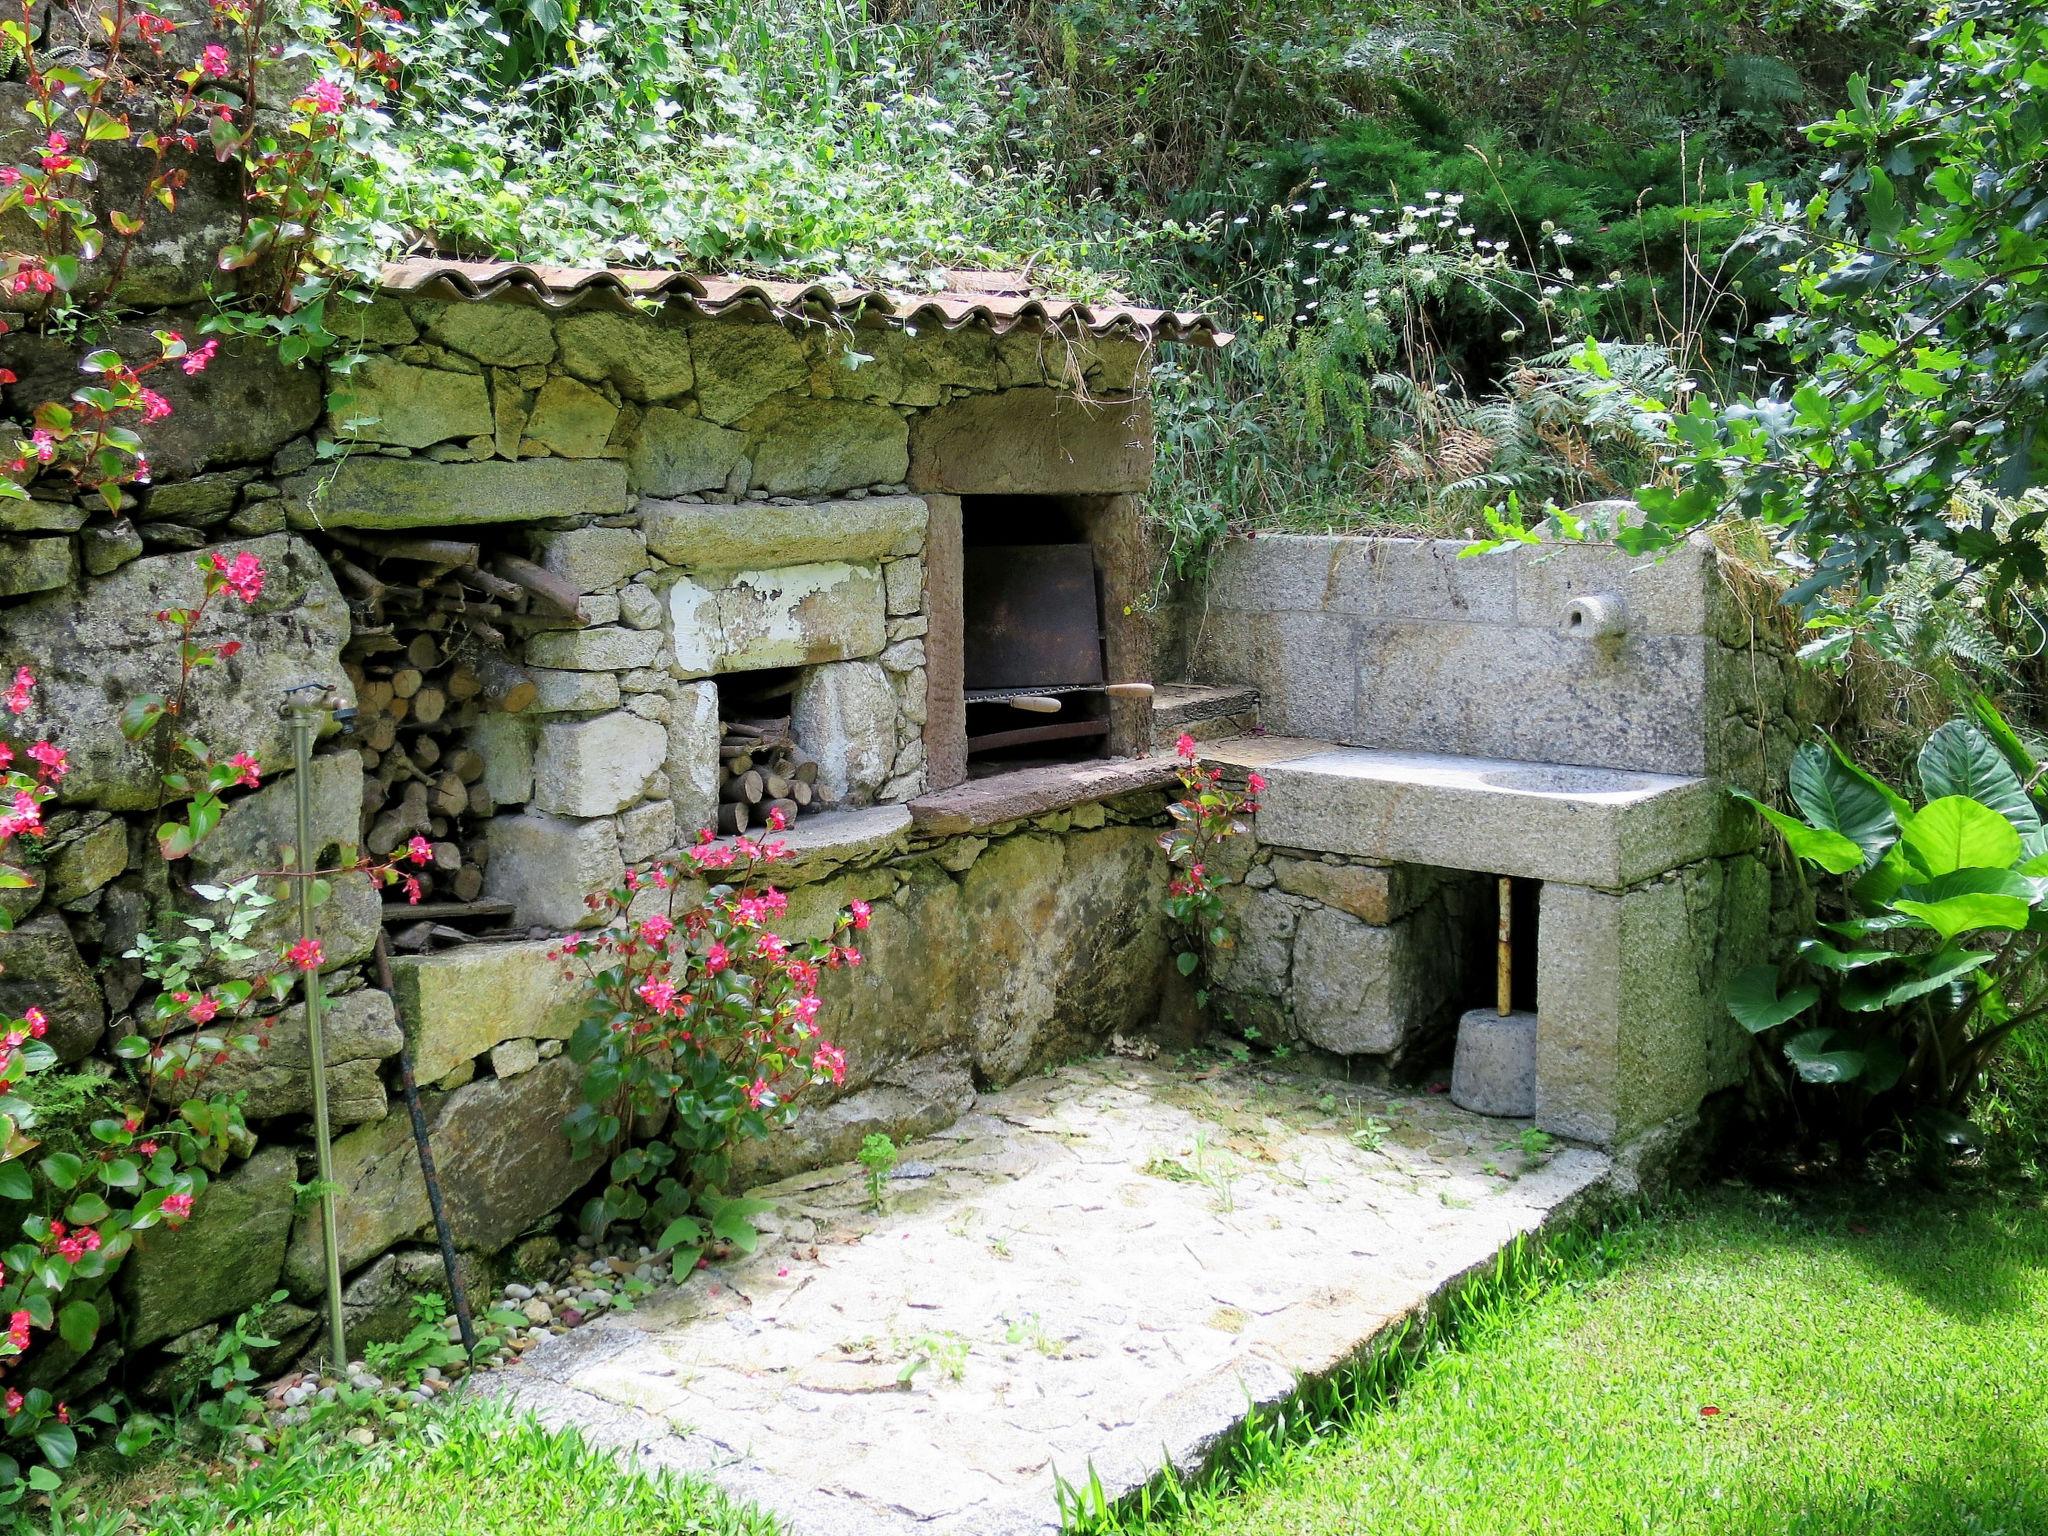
(1103, 1265)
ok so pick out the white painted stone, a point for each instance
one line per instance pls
(796, 615)
(596, 767)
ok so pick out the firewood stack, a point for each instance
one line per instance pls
(761, 769)
(428, 658)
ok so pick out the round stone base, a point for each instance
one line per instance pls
(1495, 1069)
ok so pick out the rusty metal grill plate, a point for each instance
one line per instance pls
(1031, 618)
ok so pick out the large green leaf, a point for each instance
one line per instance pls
(1754, 1000)
(1956, 832)
(1817, 845)
(1820, 952)
(1829, 796)
(1815, 1059)
(1899, 804)
(1922, 974)
(1969, 899)
(1959, 760)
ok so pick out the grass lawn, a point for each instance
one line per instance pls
(1750, 1367)
(469, 1470)
(1746, 1365)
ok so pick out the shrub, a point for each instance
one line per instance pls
(700, 1031)
(1933, 959)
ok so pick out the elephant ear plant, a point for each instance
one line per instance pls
(1932, 958)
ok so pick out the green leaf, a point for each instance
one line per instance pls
(141, 716)
(1955, 832)
(15, 1182)
(1754, 1000)
(1830, 796)
(1816, 845)
(1960, 760)
(1186, 961)
(1820, 952)
(79, 1324)
(1812, 1059)
(1866, 993)
(1969, 899)
(683, 1230)
(62, 1169)
(59, 1445)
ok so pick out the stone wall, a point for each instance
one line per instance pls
(720, 495)
(1410, 644)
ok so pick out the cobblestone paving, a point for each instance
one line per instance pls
(1101, 1266)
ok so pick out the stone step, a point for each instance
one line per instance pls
(1597, 827)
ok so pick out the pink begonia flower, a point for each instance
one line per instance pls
(177, 1207)
(251, 774)
(305, 954)
(658, 995)
(214, 62)
(418, 849)
(17, 696)
(656, 929)
(325, 95)
(195, 361)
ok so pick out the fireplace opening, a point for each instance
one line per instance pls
(762, 769)
(1033, 662)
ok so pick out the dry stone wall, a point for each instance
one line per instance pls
(718, 496)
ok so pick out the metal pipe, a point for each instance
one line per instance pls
(304, 716)
(458, 1294)
(1504, 971)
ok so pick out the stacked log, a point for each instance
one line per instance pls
(761, 770)
(429, 660)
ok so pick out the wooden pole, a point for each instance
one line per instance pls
(1504, 978)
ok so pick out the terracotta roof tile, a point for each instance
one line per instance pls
(976, 299)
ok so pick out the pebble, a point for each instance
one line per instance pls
(539, 1313)
(362, 1434)
(518, 1292)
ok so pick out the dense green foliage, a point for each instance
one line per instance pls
(1748, 1368)
(1916, 327)
(1930, 959)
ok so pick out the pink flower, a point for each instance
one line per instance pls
(717, 958)
(305, 954)
(71, 1249)
(214, 62)
(55, 766)
(177, 1207)
(195, 361)
(778, 818)
(17, 1329)
(418, 849)
(243, 576)
(807, 1007)
(412, 891)
(154, 406)
(251, 771)
(1184, 744)
(325, 96)
(17, 696)
(861, 912)
(38, 1026)
(656, 929)
(203, 1011)
(1255, 782)
(770, 947)
(43, 445)
(757, 1090)
(829, 1061)
(657, 994)
(14, 1398)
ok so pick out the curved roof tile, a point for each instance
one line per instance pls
(962, 305)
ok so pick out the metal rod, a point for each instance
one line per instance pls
(303, 719)
(1504, 979)
(457, 1292)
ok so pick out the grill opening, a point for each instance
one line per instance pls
(1031, 614)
